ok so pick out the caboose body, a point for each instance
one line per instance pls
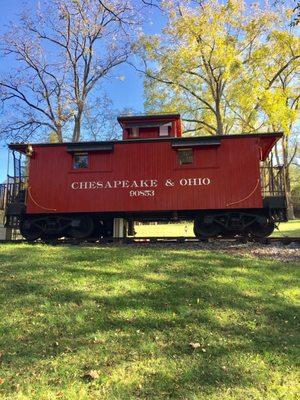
(78, 189)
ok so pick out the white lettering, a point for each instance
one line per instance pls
(74, 185)
(93, 185)
(142, 193)
(138, 184)
(83, 185)
(144, 184)
(194, 181)
(183, 182)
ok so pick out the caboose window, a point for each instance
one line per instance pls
(134, 132)
(164, 130)
(185, 156)
(80, 160)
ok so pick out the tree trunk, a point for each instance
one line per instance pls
(290, 207)
(219, 124)
(59, 134)
(219, 119)
(77, 127)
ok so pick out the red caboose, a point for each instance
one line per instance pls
(78, 189)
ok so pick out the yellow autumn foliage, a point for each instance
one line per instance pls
(223, 63)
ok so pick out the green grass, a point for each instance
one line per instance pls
(291, 228)
(173, 229)
(130, 312)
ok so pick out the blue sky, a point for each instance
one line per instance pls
(127, 93)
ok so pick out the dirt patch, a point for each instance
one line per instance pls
(274, 251)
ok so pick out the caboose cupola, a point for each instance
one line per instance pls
(150, 126)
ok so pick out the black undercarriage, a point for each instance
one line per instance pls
(255, 223)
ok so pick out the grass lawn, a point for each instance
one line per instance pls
(291, 228)
(129, 314)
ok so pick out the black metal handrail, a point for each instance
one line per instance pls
(2, 196)
(10, 192)
(272, 180)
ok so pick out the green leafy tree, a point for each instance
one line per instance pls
(280, 100)
(219, 63)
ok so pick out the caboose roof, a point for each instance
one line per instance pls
(267, 141)
(144, 120)
(148, 116)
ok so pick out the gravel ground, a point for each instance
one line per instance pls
(276, 251)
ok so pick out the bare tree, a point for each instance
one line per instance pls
(35, 92)
(62, 51)
(100, 120)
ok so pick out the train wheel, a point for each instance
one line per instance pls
(82, 227)
(48, 237)
(108, 228)
(204, 229)
(98, 229)
(30, 230)
(261, 230)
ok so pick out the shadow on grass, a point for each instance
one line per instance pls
(124, 303)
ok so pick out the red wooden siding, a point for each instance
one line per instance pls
(232, 168)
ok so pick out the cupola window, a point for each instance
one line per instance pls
(134, 132)
(164, 130)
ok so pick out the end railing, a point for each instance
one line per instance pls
(272, 179)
